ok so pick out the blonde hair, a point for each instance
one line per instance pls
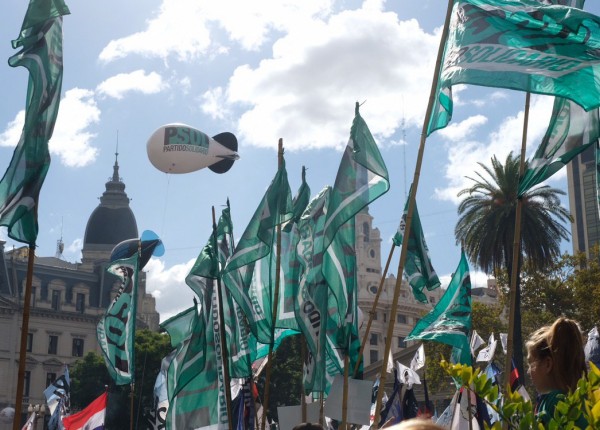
(563, 342)
(416, 424)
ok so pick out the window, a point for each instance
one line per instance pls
(401, 342)
(26, 381)
(374, 316)
(366, 231)
(77, 347)
(384, 317)
(373, 289)
(373, 340)
(32, 302)
(29, 342)
(50, 378)
(374, 356)
(80, 302)
(432, 300)
(401, 318)
(52, 344)
(372, 253)
(55, 300)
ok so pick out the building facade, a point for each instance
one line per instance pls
(67, 300)
(583, 201)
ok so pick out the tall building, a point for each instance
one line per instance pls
(583, 201)
(67, 299)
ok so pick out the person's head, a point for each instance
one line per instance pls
(555, 356)
(416, 424)
(308, 426)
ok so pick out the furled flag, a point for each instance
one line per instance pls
(91, 418)
(449, 321)
(392, 411)
(58, 396)
(516, 382)
(116, 329)
(476, 342)
(571, 131)
(256, 298)
(418, 360)
(41, 53)
(418, 267)
(521, 45)
(487, 354)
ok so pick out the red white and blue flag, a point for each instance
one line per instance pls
(91, 418)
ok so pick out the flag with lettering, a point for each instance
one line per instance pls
(41, 54)
(418, 267)
(450, 321)
(58, 399)
(116, 329)
(242, 275)
(521, 45)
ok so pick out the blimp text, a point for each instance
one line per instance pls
(185, 139)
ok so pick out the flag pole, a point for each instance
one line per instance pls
(344, 425)
(373, 310)
(275, 303)
(409, 213)
(514, 300)
(24, 333)
(134, 300)
(223, 343)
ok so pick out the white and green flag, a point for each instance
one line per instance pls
(418, 267)
(42, 55)
(116, 329)
(450, 320)
(251, 283)
(522, 45)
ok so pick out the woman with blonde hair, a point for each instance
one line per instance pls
(556, 362)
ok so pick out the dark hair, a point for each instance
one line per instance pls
(563, 342)
(308, 426)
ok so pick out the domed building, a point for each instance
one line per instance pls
(67, 299)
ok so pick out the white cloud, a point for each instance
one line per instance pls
(75, 248)
(463, 156)
(478, 279)
(214, 103)
(168, 286)
(182, 28)
(71, 140)
(306, 92)
(461, 130)
(138, 81)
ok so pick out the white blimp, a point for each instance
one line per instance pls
(179, 148)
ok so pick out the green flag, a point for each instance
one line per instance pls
(116, 329)
(449, 321)
(418, 267)
(521, 45)
(41, 53)
(250, 283)
(361, 178)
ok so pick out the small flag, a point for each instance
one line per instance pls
(592, 347)
(58, 400)
(516, 384)
(91, 418)
(418, 267)
(418, 360)
(504, 341)
(476, 342)
(450, 320)
(29, 424)
(487, 353)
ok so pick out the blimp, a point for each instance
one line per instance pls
(180, 148)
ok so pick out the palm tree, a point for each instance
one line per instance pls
(486, 226)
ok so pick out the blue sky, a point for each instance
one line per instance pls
(263, 70)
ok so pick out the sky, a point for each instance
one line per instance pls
(262, 70)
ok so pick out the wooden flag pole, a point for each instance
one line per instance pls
(275, 303)
(222, 341)
(373, 310)
(344, 425)
(516, 254)
(409, 214)
(24, 333)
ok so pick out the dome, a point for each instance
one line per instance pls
(113, 220)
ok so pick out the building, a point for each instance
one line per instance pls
(67, 299)
(583, 201)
